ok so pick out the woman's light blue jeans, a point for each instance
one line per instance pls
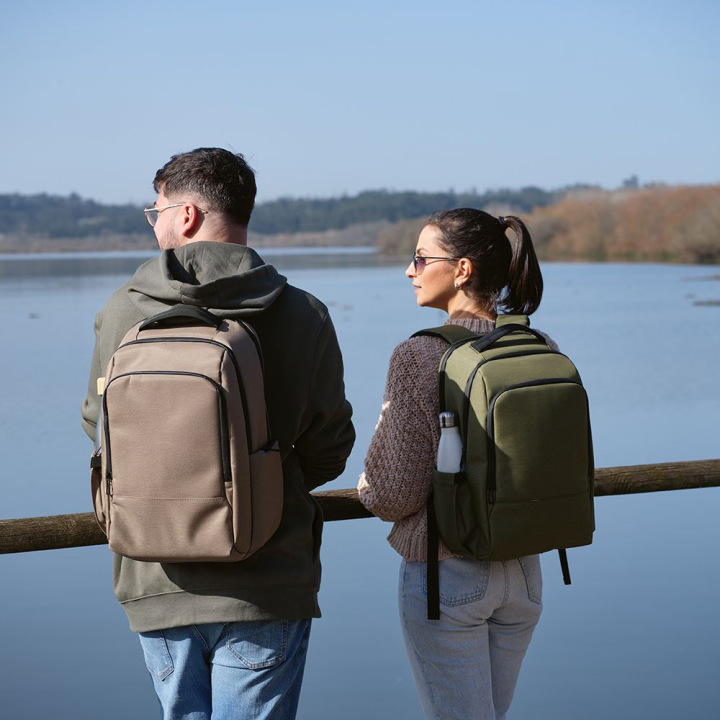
(466, 664)
(228, 671)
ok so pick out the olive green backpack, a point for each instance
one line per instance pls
(526, 483)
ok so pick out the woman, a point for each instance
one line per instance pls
(466, 663)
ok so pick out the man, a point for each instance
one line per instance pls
(230, 639)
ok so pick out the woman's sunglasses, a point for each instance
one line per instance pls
(420, 261)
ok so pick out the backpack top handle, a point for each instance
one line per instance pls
(485, 341)
(184, 311)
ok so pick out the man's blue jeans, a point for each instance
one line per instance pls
(228, 671)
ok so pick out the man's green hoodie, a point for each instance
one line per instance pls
(309, 415)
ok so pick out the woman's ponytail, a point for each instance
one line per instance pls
(506, 276)
(524, 281)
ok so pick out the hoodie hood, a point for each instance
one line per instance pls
(230, 279)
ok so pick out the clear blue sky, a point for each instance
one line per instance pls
(326, 98)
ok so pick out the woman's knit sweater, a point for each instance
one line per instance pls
(400, 460)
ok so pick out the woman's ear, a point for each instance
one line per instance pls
(463, 271)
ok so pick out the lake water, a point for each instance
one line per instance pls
(635, 636)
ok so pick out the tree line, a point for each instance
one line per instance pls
(53, 216)
(651, 223)
(288, 215)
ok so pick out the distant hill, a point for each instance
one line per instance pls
(652, 223)
(288, 215)
(656, 223)
(51, 222)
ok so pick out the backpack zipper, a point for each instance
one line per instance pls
(490, 425)
(230, 353)
(466, 407)
(471, 378)
(222, 415)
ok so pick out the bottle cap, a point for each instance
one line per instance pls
(447, 419)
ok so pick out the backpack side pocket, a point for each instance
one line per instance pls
(99, 496)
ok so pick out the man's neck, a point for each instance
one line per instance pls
(231, 235)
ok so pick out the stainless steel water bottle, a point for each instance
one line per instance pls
(450, 447)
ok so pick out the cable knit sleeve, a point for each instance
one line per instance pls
(401, 456)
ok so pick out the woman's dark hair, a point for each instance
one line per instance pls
(220, 178)
(504, 277)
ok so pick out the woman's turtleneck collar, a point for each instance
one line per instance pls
(477, 325)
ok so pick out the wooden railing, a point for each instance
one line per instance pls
(81, 529)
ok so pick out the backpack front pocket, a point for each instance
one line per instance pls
(163, 486)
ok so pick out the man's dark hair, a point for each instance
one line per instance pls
(220, 178)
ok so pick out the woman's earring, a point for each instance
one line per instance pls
(457, 286)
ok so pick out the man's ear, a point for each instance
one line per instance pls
(190, 220)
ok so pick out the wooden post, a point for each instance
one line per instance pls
(80, 530)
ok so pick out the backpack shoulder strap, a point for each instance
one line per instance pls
(451, 334)
(433, 563)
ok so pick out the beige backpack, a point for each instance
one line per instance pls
(187, 470)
